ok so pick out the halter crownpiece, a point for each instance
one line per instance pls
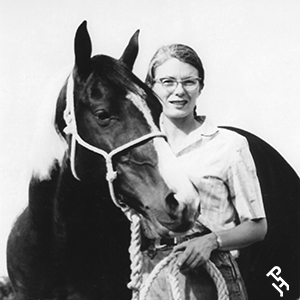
(71, 128)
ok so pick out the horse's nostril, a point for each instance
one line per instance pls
(172, 204)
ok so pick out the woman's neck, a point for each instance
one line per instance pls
(177, 129)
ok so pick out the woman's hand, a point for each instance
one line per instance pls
(195, 252)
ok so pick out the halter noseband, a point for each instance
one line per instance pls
(71, 128)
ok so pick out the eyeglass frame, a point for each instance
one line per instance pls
(159, 80)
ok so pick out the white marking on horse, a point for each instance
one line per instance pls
(168, 165)
(48, 145)
(141, 104)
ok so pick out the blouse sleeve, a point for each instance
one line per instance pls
(244, 185)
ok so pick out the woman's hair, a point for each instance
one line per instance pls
(182, 52)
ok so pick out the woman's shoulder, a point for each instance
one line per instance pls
(232, 138)
(231, 134)
(219, 136)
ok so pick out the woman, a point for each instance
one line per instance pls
(219, 163)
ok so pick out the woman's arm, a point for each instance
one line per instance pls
(243, 235)
(198, 250)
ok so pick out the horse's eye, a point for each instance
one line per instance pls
(103, 116)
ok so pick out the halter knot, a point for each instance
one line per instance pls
(70, 128)
(111, 175)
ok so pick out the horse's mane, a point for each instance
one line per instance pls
(48, 145)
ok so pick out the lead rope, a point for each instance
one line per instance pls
(139, 290)
(135, 256)
(173, 277)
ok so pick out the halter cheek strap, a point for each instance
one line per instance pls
(71, 128)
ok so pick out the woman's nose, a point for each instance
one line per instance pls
(179, 90)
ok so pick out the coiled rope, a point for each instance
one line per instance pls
(140, 291)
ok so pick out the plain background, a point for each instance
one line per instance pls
(250, 51)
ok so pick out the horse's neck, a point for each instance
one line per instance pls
(62, 202)
(40, 206)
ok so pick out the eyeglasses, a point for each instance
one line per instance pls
(170, 84)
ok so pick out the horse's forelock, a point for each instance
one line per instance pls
(116, 74)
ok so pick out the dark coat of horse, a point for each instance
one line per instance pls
(72, 241)
(281, 247)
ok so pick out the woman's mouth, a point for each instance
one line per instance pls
(178, 103)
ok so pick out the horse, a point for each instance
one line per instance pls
(280, 187)
(109, 163)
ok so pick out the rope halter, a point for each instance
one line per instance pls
(71, 128)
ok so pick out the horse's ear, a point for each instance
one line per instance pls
(83, 49)
(131, 51)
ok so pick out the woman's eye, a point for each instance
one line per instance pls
(189, 82)
(168, 82)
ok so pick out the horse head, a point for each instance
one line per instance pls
(110, 120)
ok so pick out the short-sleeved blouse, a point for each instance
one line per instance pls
(219, 163)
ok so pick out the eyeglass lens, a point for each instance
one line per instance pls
(171, 84)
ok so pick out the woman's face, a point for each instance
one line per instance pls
(179, 103)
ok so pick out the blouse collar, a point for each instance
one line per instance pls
(207, 129)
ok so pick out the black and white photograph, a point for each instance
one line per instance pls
(149, 150)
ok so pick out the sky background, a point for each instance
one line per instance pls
(250, 51)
